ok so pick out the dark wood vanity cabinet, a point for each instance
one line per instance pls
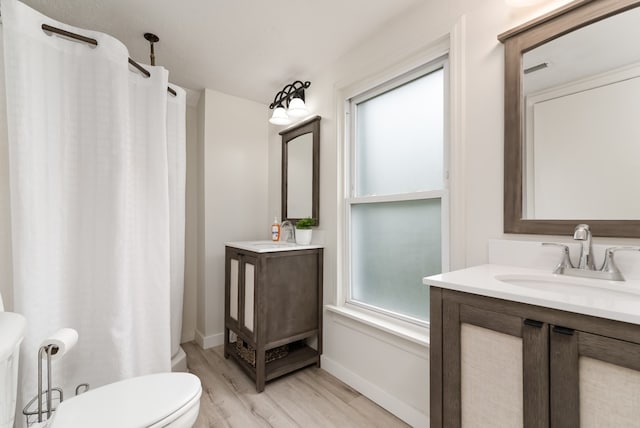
(273, 304)
(497, 363)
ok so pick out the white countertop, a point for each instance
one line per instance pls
(270, 246)
(617, 300)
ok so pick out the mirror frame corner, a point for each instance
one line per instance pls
(312, 126)
(517, 41)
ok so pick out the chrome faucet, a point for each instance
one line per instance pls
(291, 231)
(583, 234)
(565, 263)
(609, 266)
(586, 267)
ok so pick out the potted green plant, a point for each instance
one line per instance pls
(304, 231)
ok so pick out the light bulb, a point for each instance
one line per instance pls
(280, 116)
(297, 108)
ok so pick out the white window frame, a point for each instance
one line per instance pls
(441, 62)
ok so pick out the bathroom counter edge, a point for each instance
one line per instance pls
(481, 280)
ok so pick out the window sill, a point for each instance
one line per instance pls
(413, 333)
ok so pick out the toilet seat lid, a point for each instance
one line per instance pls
(133, 403)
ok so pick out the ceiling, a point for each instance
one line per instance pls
(246, 48)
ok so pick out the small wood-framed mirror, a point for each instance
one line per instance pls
(301, 171)
(572, 79)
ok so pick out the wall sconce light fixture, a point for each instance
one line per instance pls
(291, 97)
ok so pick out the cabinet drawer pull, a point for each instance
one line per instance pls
(563, 330)
(533, 323)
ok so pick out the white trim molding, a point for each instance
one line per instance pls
(207, 342)
(457, 143)
(409, 337)
(453, 45)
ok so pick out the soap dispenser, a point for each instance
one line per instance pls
(275, 230)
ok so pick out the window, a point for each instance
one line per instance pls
(396, 200)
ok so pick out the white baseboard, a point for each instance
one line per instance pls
(188, 337)
(207, 342)
(373, 392)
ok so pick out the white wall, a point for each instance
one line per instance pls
(190, 302)
(6, 290)
(200, 218)
(394, 371)
(233, 155)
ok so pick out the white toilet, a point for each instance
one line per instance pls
(153, 401)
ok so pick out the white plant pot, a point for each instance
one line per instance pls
(303, 236)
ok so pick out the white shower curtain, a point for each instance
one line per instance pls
(90, 170)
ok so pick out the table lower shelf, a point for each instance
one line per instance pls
(297, 358)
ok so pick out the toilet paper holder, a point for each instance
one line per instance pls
(35, 407)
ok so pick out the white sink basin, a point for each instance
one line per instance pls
(571, 285)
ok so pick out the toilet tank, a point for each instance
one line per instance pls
(11, 333)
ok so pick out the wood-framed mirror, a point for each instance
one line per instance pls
(301, 171)
(572, 147)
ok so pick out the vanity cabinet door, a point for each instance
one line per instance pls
(240, 293)
(595, 380)
(249, 267)
(491, 359)
(232, 289)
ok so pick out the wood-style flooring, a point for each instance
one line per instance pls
(307, 398)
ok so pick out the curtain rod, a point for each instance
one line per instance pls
(94, 42)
